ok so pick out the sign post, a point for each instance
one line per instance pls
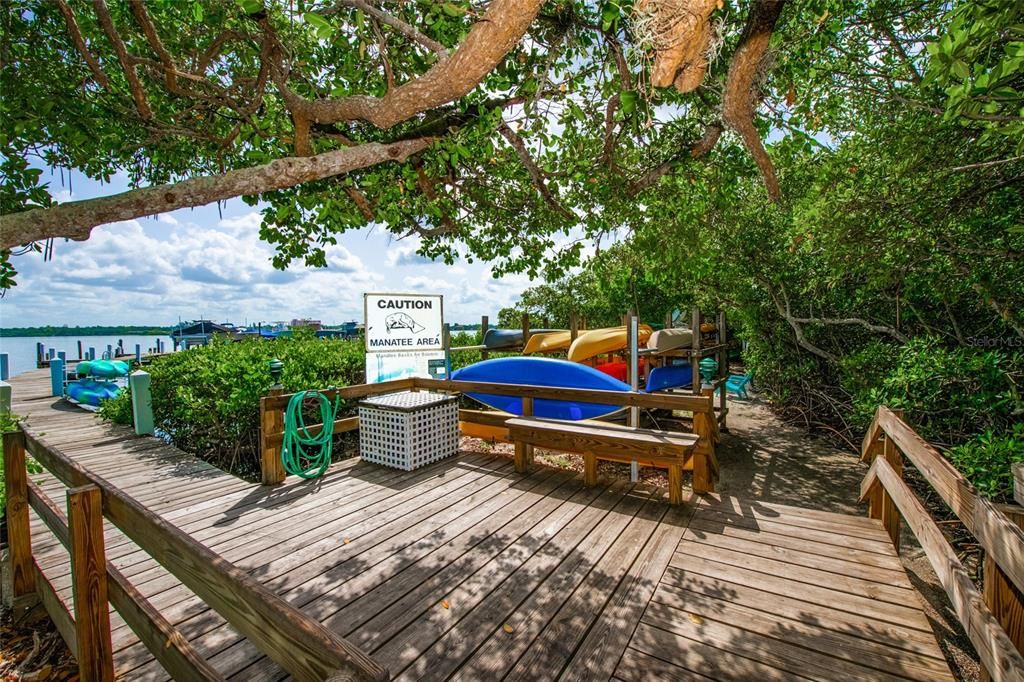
(404, 332)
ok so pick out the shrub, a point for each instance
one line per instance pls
(206, 400)
(948, 394)
(986, 461)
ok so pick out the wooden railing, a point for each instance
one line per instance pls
(300, 645)
(994, 621)
(705, 425)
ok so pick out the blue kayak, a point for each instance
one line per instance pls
(105, 369)
(542, 372)
(92, 392)
(496, 339)
(672, 376)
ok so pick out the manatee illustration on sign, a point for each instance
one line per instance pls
(402, 321)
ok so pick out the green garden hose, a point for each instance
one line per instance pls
(295, 457)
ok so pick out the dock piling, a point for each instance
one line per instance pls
(5, 367)
(142, 402)
(56, 377)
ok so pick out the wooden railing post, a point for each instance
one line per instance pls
(524, 451)
(890, 515)
(705, 464)
(1002, 597)
(19, 534)
(89, 584)
(484, 326)
(271, 422)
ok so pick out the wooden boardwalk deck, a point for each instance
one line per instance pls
(465, 569)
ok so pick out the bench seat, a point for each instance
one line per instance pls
(610, 442)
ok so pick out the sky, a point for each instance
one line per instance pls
(201, 264)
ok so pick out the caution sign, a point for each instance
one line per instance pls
(403, 322)
(403, 335)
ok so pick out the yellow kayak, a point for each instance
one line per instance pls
(547, 342)
(598, 341)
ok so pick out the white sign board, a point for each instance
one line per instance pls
(403, 333)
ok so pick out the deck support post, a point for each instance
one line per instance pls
(142, 402)
(524, 451)
(574, 326)
(705, 465)
(484, 326)
(890, 514)
(271, 421)
(19, 534)
(89, 583)
(723, 370)
(695, 350)
(5, 367)
(526, 329)
(1002, 597)
(5, 397)
(56, 377)
(589, 469)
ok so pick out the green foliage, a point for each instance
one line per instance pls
(87, 330)
(206, 400)
(987, 460)
(979, 62)
(946, 393)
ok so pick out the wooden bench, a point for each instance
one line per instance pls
(608, 442)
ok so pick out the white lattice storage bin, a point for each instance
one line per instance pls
(409, 429)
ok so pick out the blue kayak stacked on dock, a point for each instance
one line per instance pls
(542, 372)
(96, 381)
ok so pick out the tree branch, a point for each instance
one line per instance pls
(798, 330)
(740, 96)
(879, 328)
(76, 38)
(535, 173)
(149, 30)
(138, 94)
(75, 220)
(490, 39)
(700, 148)
(394, 22)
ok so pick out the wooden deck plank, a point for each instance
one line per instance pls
(481, 605)
(595, 583)
(346, 581)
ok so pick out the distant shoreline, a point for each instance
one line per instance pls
(11, 332)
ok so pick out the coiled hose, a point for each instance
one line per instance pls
(302, 453)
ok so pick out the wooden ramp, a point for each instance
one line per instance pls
(466, 569)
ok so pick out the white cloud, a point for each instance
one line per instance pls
(248, 222)
(167, 218)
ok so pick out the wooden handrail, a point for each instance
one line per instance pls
(160, 637)
(667, 401)
(302, 646)
(996, 534)
(1003, 541)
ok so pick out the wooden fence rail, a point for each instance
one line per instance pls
(705, 424)
(993, 620)
(300, 645)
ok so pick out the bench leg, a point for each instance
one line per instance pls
(522, 457)
(703, 477)
(589, 468)
(675, 484)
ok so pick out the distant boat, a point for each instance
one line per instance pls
(670, 339)
(672, 376)
(548, 342)
(598, 341)
(542, 372)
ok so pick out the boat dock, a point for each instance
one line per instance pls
(462, 569)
